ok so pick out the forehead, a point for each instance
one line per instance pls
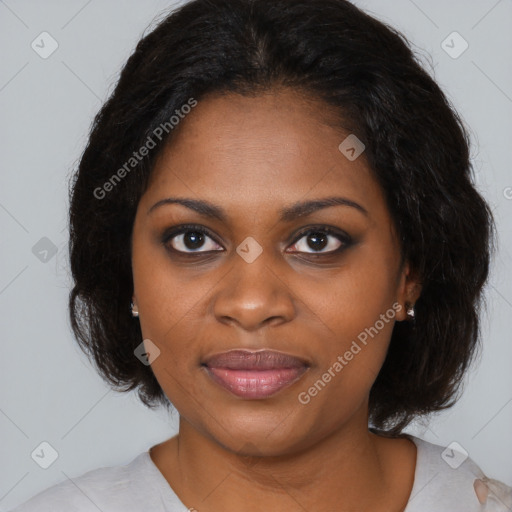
(255, 152)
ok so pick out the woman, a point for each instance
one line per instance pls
(274, 228)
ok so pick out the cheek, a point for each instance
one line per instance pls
(361, 312)
(167, 296)
(355, 306)
(352, 297)
(349, 365)
(363, 289)
(166, 317)
(171, 323)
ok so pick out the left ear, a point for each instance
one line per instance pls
(409, 290)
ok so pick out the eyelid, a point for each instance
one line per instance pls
(343, 237)
(175, 231)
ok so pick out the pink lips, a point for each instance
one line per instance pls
(254, 375)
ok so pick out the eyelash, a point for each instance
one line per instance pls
(344, 238)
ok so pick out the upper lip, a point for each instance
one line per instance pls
(243, 359)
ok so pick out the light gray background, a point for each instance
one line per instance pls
(49, 390)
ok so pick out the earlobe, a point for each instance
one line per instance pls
(134, 309)
(410, 290)
(410, 311)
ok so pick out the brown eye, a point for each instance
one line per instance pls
(191, 240)
(320, 241)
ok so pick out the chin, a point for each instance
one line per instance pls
(261, 433)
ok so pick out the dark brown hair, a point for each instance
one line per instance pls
(416, 146)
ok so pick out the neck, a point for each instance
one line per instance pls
(350, 469)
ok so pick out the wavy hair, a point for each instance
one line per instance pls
(416, 146)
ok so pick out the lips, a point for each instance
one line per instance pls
(254, 375)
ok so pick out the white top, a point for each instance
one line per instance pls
(443, 482)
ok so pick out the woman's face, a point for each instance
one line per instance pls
(256, 281)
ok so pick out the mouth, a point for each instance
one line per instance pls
(254, 375)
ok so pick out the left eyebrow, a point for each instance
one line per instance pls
(307, 207)
(287, 214)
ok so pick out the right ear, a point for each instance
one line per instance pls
(134, 307)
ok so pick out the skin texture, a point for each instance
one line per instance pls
(253, 156)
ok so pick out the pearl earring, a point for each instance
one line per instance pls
(135, 313)
(410, 312)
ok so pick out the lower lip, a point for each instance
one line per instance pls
(254, 384)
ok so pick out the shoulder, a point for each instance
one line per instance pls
(106, 488)
(448, 480)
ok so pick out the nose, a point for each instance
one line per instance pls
(253, 295)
